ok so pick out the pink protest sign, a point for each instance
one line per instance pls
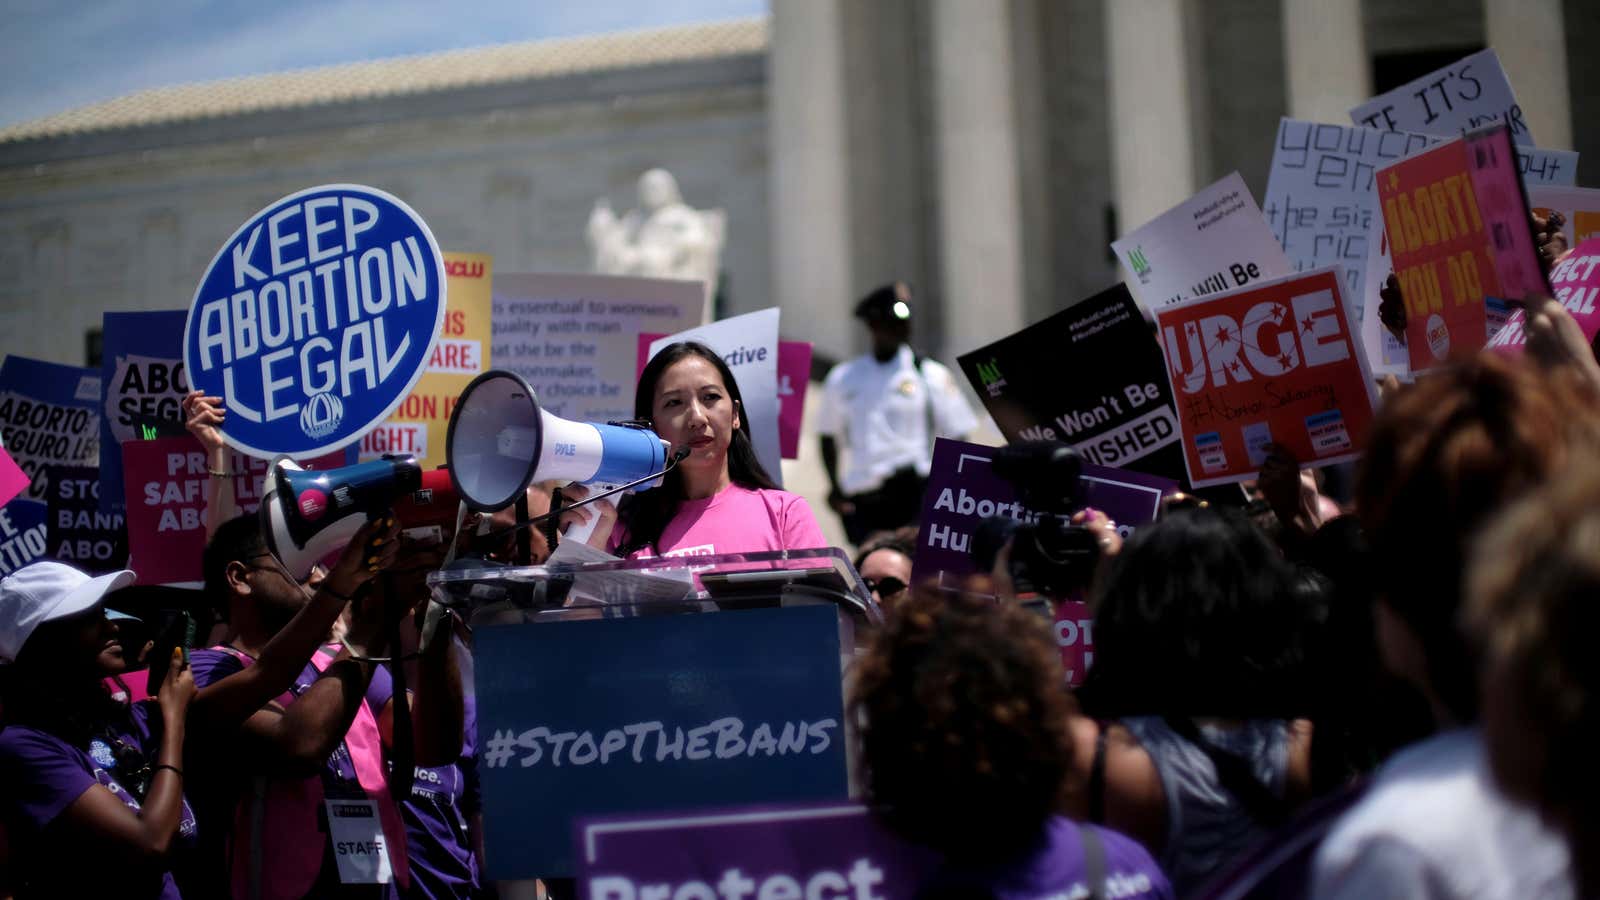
(165, 481)
(1575, 282)
(794, 376)
(1074, 628)
(13, 480)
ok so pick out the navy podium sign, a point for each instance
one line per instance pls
(583, 718)
(316, 318)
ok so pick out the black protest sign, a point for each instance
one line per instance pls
(77, 532)
(1091, 375)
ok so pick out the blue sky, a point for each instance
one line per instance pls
(58, 54)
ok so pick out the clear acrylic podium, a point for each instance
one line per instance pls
(758, 643)
(568, 591)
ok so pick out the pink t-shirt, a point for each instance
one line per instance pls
(736, 520)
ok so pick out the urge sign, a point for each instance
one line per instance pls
(1269, 363)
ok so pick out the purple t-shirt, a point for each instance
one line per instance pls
(224, 778)
(441, 858)
(1056, 868)
(43, 775)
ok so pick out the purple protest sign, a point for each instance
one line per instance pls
(836, 850)
(963, 491)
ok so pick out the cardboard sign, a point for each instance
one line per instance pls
(794, 377)
(1320, 198)
(419, 424)
(785, 851)
(142, 384)
(48, 417)
(1575, 281)
(316, 318)
(1457, 229)
(573, 337)
(1214, 241)
(165, 482)
(78, 531)
(1103, 390)
(1468, 93)
(612, 715)
(1387, 355)
(23, 535)
(1276, 363)
(749, 345)
(13, 480)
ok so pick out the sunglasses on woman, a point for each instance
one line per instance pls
(886, 586)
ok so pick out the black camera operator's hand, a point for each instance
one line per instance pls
(370, 551)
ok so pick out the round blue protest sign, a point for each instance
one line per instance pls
(316, 318)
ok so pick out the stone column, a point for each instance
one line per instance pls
(1152, 139)
(811, 275)
(980, 215)
(1325, 53)
(1530, 37)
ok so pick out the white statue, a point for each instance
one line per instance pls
(664, 238)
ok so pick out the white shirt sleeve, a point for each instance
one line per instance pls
(1375, 869)
(829, 421)
(952, 416)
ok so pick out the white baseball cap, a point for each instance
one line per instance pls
(43, 592)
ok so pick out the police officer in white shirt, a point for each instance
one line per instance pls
(885, 409)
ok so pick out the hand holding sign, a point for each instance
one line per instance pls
(1556, 341)
(203, 416)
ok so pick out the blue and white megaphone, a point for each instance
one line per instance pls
(500, 441)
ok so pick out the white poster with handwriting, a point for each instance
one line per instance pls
(1214, 241)
(574, 337)
(749, 345)
(1469, 92)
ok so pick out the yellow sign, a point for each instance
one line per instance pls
(418, 426)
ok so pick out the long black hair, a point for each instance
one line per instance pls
(1199, 616)
(645, 514)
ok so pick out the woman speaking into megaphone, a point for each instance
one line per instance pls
(718, 499)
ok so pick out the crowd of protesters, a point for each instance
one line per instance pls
(1385, 697)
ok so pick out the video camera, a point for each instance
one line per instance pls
(1049, 554)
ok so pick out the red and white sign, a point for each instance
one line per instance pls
(1279, 362)
(166, 480)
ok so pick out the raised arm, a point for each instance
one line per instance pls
(226, 703)
(100, 820)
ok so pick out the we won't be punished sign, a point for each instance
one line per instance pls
(316, 318)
